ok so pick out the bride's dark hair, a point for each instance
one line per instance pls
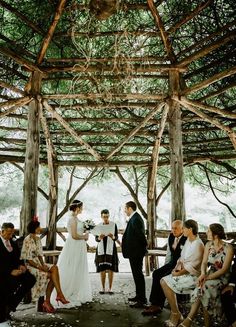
(75, 204)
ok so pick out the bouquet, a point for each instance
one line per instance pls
(89, 224)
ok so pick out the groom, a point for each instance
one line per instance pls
(134, 247)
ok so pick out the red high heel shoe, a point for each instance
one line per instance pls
(61, 298)
(47, 307)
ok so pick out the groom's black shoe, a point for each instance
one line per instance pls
(133, 299)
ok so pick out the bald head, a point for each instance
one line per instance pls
(177, 227)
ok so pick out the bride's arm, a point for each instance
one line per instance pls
(74, 233)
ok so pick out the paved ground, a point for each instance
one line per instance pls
(105, 310)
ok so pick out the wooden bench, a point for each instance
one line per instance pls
(154, 252)
(51, 253)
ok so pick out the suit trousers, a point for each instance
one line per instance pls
(228, 304)
(136, 264)
(12, 292)
(157, 296)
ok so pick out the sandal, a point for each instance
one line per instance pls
(182, 323)
(169, 323)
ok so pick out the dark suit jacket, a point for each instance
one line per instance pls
(134, 243)
(175, 254)
(8, 260)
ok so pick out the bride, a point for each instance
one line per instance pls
(72, 263)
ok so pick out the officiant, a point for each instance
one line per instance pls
(106, 259)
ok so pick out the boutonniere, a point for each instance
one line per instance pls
(181, 246)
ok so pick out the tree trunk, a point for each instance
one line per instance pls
(29, 202)
(176, 152)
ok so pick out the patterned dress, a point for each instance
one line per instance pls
(190, 259)
(31, 249)
(210, 293)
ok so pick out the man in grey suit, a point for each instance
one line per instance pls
(134, 247)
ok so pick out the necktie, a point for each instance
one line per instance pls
(8, 246)
(176, 241)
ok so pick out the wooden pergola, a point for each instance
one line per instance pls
(113, 83)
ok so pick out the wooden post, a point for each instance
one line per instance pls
(29, 202)
(176, 151)
(52, 211)
(151, 220)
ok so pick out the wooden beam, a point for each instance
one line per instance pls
(190, 16)
(98, 68)
(16, 103)
(156, 152)
(21, 61)
(113, 96)
(222, 112)
(11, 88)
(135, 130)
(122, 163)
(71, 131)
(214, 121)
(209, 81)
(208, 48)
(160, 26)
(49, 35)
(142, 59)
(218, 92)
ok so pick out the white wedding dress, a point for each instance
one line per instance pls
(73, 269)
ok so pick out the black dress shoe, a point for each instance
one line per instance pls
(133, 299)
(138, 305)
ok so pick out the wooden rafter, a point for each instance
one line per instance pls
(111, 68)
(15, 102)
(11, 87)
(164, 35)
(71, 131)
(190, 16)
(135, 130)
(211, 80)
(95, 96)
(218, 92)
(198, 104)
(230, 132)
(50, 32)
(209, 48)
(23, 62)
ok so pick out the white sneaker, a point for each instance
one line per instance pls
(5, 324)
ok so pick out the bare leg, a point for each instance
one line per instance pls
(193, 311)
(49, 290)
(110, 277)
(175, 315)
(55, 279)
(103, 279)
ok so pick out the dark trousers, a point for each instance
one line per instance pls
(228, 304)
(136, 264)
(12, 292)
(157, 296)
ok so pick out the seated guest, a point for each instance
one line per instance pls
(186, 271)
(228, 298)
(214, 276)
(15, 279)
(47, 276)
(175, 244)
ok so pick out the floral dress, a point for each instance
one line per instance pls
(210, 293)
(31, 249)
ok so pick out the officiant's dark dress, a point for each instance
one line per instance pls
(105, 261)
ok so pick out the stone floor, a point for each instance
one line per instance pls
(105, 310)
